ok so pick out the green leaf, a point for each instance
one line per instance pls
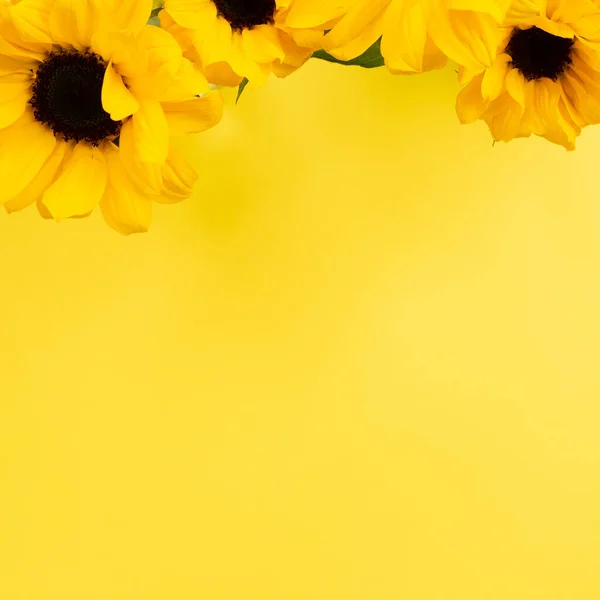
(155, 12)
(371, 59)
(241, 89)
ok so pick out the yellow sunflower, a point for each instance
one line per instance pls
(89, 95)
(416, 35)
(236, 39)
(546, 77)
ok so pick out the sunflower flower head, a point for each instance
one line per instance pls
(235, 39)
(416, 35)
(89, 96)
(546, 76)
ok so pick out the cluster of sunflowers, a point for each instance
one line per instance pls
(92, 90)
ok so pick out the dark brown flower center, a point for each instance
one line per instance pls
(537, 53)
(67, 97)
(246, 14)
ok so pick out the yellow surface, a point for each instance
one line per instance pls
(362, 364)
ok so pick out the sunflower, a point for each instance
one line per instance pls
(89, 95)
(236, 39)
(546, 77)
(416, 35)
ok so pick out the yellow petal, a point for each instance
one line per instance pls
(493, 80)
(146, 176)
(554, 28)
(506, 123)
(470, 104)
(124, 208)
(162, 57)
(117, 100)
(305, 38)
(471, 39)
(31, 20)
(283, 70)
(44, 212)
(495, 8)
(545, 96)
(362, 42)
(433, 57)
(167, 183)
(73, 22)
(80, 183)
(27, 54)
(262, 44)
(405, 37)
(150, 133)
(353, 24)
(232, 51)
(129, 16)
(185, 37)
(41, 182)
(193, 14)
(222, 74)
(76, 21)
(524, 11)
(10, 65)
(194, 115)
(314, 13)
(179, 178)
(188, 83)
(121, 49)
(21, 161)
(515, 86)
(14, 95)
(295, 55)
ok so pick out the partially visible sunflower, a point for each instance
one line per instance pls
(236, 39)
(416, 35)
(89, 95)
(546, 77)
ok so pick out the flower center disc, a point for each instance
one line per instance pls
(67, 97)
(246, 14)
(537, 53)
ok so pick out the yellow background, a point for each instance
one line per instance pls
(361, 364)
